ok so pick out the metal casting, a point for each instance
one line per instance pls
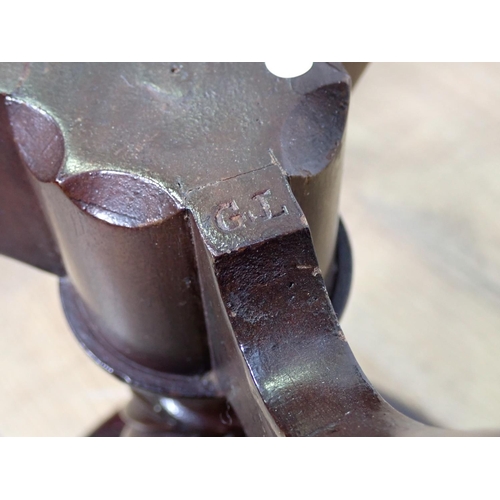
(191, 213)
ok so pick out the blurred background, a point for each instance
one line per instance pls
(420, 200)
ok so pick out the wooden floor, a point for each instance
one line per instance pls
(421, 201)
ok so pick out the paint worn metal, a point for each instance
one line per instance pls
(191, 213)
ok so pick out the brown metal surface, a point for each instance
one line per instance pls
(184, 200)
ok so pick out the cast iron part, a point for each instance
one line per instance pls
(179, 204)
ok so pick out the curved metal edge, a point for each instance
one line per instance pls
(87, 333)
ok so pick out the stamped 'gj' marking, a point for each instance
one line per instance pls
(229, 217)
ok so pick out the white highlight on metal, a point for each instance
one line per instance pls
(288, 69)
(171, 406)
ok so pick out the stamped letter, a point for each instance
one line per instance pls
(228, 218)
(264, 203)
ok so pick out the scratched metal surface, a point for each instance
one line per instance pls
(454, 382)
(222, 117)
(65, 120)
(186, 126)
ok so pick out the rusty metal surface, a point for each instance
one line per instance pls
(184, 201)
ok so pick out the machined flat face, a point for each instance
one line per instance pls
(182, 125)
(185, 128)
